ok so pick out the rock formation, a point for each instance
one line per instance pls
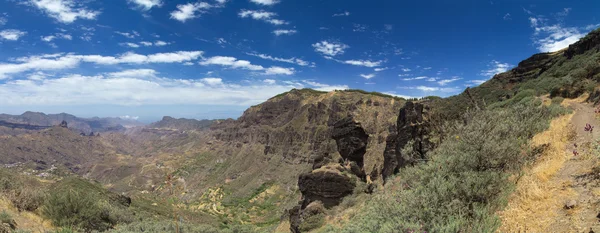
(331, 181)
(413, 129)
(64, 124)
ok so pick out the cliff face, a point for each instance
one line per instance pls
(305, 123)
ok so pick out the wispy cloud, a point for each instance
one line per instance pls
(345, 13)
(266, 16)
(234, 63)
(554, 37)
(146, 5)
(292, 60)
(330, 48)
(65, 11)
(265, 2)
(12, 34)
(280, 32)
(367, 76)
(495, 67)
(189, 11)
(68, 61)
(443, 82)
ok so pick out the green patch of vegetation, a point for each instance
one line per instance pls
(312, 222)
(23, 192)
(374, 93)
(303, 90)
(465, 180)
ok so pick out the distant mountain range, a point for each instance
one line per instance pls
(37, 120)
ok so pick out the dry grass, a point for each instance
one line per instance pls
(531, 207)
(30, 221)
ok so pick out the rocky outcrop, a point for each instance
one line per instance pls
(413, 130)
(351, 140)
(327, 185)
(331, 181)
(589, 42)
(64, 124)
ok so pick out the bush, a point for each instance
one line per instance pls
(27, 198)
(312, 222)
(23, 193)
(72, 208)
(7, 223)
(169, 226)
(466, 180)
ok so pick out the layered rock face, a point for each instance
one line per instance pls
(413, 129)
(331, 181)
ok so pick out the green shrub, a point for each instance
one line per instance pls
(312, 222)
(557, 100)
(79, 209)
(466, 179)
(7, 223)
(169, 226)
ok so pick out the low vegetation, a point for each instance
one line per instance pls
(466, 179)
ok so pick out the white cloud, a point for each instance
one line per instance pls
(443, 82)
(146, 4)
(292, 60)
(38, 76)
(131, 45)
(12, 34)
(415, 78)
(477, 81)
(188, 11)
(324, 87)
(507, 16)
(146, 43)
(127, 91)
(429, 89)
(495, 67)
(363, 63)
(221, 1)
(231, 62)
(68, 61)
(330, 48)
(427, 68)
(243, 64)
(65, 11)
(262, 15)
(134, 73)
(3, 21)
(280, 32)
(161, 43)
(367, 76)
(554, 37)
(212, 81)
(269, 81)
(380, 69)
(131, 35)
(127, 117)
(406, 69)
(345, 13)
(276, 70)
(265, 2)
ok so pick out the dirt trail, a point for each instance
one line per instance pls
(559, 178)
(574, 176)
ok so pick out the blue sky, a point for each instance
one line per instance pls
(214, 58)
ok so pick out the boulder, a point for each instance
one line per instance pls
(64, 124)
